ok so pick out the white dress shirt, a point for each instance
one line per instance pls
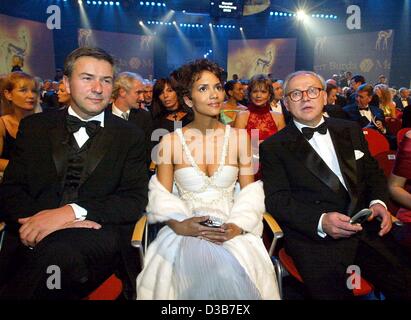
(323, 145)
(81, 137)
(366, 113)
(117, 112)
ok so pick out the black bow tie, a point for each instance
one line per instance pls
(309, 132)
(74, 124)
(364, 109)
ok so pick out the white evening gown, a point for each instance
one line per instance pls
(180, 267)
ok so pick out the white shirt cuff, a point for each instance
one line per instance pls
(379, 202)
(79, 212)
(320, 231)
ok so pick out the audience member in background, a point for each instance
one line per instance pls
(331, 109)
(355, 82)
(385, 100)
(128, 96)
(49, 96)
(148, 95)
(169, 110)
(403, 100)
(245, 83)
(231, 107)
(259, 119)
(17, 63)
(399, 182)
(63, 96)
(363, 112)
(20, 93)
(367, 115)
(382, 80)
(277, 104)
(59, 75)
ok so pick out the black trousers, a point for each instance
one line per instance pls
(67, 264)
(381, 260)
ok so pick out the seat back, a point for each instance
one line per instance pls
(377, 143)
(108, 290)
(393, 125)
(401, 134)
(386, 161)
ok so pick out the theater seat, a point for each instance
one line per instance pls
(108, 290)
(377, 143)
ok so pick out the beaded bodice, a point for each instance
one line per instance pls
(201, 191)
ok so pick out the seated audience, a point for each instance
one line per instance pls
(231, 107)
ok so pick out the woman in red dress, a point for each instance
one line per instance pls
(259, 121)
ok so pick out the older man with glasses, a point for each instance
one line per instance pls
(317, 174)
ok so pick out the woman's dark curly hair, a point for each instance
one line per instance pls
(158, 109)
(189, 73)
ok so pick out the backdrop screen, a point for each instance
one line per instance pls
(132, 52)
(30, 40)
(249, 57)
(368, 54)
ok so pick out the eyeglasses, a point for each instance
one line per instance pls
(297, 95)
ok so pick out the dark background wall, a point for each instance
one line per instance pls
(376, 15)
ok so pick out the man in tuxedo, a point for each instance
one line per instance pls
(74, 188)
(317, 173)
(128, 94)
(277, 105)
(403, 100)
(363, 112)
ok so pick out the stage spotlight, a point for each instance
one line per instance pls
(241, 28)
(140, 23)
(175, 23)
(301, 15)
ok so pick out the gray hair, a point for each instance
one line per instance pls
(299, 73)
(124, 81)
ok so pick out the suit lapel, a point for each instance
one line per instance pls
(301, 148)
(100, 146)
(59, 138)
(346, 159)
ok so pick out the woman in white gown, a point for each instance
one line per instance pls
(205, 159)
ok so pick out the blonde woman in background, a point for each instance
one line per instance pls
(21, 94)
(387, 105)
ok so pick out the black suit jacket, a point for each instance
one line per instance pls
(299, 187)
(144, 121)
(398, 103)
(115, 186)
(354, 114)
(335, 111)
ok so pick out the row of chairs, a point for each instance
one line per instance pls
(377, 143)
